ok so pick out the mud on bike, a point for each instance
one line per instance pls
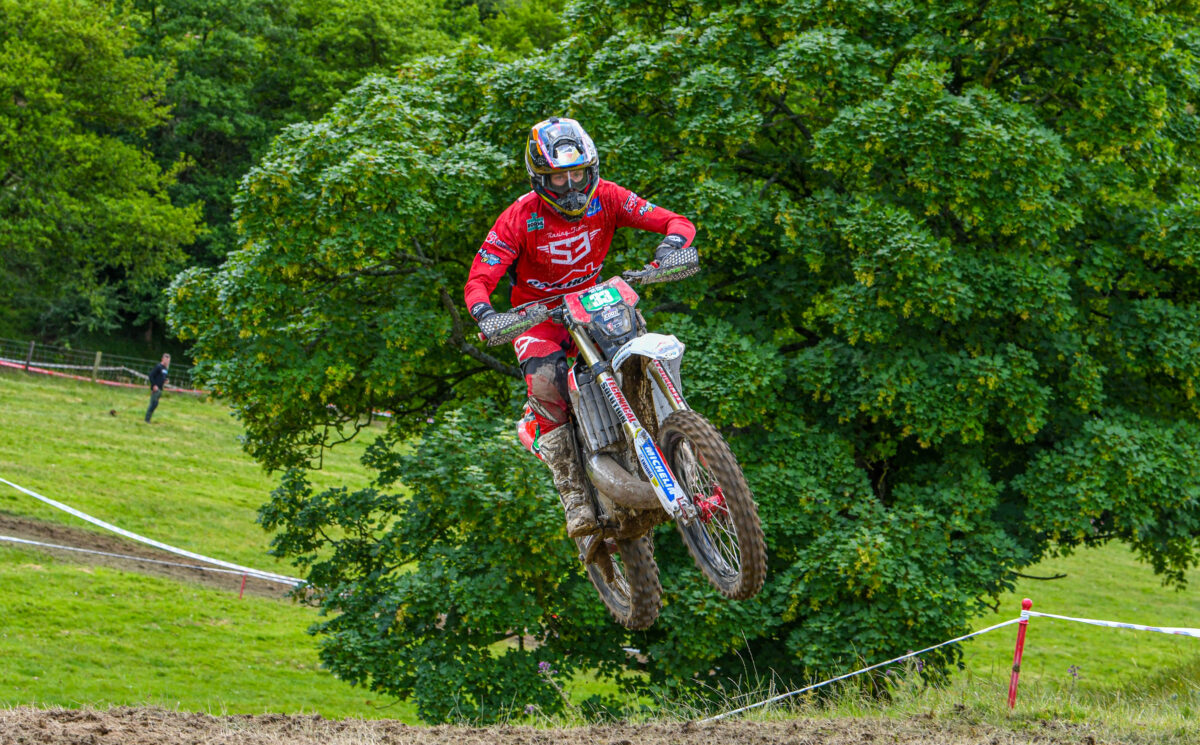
(648, 457)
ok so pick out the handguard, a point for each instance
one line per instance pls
(502, 328)
(677, 265)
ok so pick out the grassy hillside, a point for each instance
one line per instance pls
(75, 634)
(182, 479)
(1105, 584)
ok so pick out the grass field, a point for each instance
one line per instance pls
(1106, 584)
(182, 479)
(75, 634)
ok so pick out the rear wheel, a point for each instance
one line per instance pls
(631, 590)
(725, 538)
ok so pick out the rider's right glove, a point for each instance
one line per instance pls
(498, 328)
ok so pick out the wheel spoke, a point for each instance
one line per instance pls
(722, 531)
(718, 527)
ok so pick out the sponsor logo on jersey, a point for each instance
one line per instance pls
(488, 257)
(570, 250)
(494, 240)
(534, 223)
(647, 207)
(567, 281)
(594, 207)
(630, 202)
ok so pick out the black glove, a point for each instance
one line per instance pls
(480, 311)
(671, 243)
(498, 328)
(671, 265)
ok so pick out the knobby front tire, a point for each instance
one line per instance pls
(726, 538)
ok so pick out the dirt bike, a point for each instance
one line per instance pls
(648, 456)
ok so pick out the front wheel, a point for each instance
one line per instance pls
(627, 580)
(725, 538)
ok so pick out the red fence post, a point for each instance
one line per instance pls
(243, 590)
(1026, 604)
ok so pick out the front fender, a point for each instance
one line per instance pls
(663, 347)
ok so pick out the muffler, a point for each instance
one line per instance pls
(620, 485)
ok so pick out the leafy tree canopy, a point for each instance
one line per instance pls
(86, 221)
(244, 69)
(949, 322)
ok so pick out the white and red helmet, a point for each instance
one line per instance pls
(563, 166)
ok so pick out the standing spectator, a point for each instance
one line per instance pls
(158, 380)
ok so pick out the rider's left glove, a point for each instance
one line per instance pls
(671, 243)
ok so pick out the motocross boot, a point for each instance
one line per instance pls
(558, 450)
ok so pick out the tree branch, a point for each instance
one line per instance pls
(1030, 576)
(459, 338)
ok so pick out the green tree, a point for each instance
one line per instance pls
(85, 221)
(523, 27)
(247, 68)
(948, 318)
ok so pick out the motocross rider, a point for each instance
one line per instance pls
(553, 240)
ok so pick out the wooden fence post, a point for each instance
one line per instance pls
(96, 366)
(29, 357)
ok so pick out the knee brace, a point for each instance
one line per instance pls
(546, 386)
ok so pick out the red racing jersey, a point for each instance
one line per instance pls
(552, 256)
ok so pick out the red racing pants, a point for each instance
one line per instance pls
(542, 352)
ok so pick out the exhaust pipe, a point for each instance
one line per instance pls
(620, 485)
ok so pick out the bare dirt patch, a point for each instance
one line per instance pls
(151, 726)
(65, 535)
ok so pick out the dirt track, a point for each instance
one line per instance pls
(65, 535)
(148, 726)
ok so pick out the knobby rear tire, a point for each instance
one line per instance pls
(635, 595)
(728, 547)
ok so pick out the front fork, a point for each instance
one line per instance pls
(671, 496)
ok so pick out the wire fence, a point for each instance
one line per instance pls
(97, 366)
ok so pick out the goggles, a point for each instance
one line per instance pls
(561, 182)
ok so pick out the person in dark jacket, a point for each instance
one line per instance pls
(158, 380)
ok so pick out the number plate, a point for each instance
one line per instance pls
(594, 301)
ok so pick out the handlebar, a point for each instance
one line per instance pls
(503, 328)
(677, 265)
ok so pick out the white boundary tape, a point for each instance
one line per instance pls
(797, 692)
(1179, 631)
(1025, 615)
(27, 542)
(85, 368)
(272, 576)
